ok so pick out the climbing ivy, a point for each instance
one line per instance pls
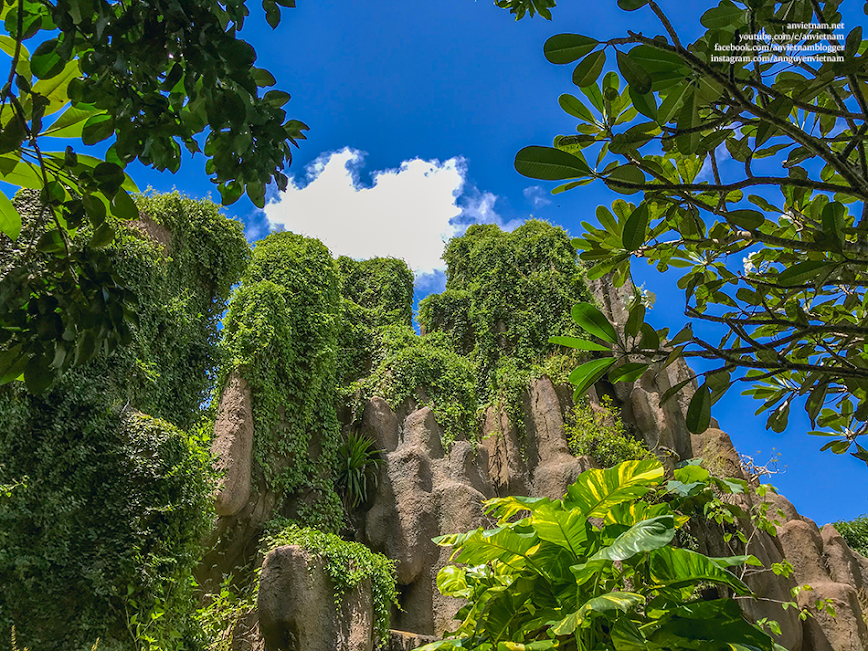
(281, 332)
(348, 564)
(506, 294)
(427, 370)
(102, 525)
(375, 293)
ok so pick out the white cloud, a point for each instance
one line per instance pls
(537, 196)
(408, 212)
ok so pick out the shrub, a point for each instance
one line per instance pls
(594, 570)
(855, 532)
(600, 434)
(357, 463)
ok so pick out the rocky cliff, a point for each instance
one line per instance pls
(425, 490)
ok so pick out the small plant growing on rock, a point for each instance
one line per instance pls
(855, 532)
(358, 463)
(600, 433)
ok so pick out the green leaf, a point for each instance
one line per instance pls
(51, 242)
(606, 603)
(634, 73)
(71, 122)
(674, 567)
(588, 373)
(747, 219)
(803, 273)
(573, 106)
(699, 410)
(595, 492)
(10, 220)
(589, 69)
(632, 5)
(644, 536)
(591, 320)
(566, 48)
(56, 88)
(566, 528)
(579, 344)
(102, 236)
(19, 172)
(46, 62)
(636, 228)
(123, 207)
(629, 372)
(725, 15)
(549, 164)
(276, 98)
(97, 128)
(262, 77)
(629, 174)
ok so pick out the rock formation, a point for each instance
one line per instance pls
(426, 491)
(296, 606)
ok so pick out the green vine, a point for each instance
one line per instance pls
(106, 478)
(348, 564)
(281, 331)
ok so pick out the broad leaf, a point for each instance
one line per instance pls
(591, 320)
(550, 164)
(566, 48)
(596, 491)
(644, 536)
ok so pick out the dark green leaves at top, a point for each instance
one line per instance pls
(625, 174)
(97, 128)
(589, 69)
(550, 164)
(634, 73)
(566, 48)
(803, 272)
(632, 5)
(725, 15)
(748, 219)
(46, 61)
(699, 410)
(591, 320)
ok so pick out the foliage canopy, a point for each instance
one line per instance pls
(773, 244)
(150, 77)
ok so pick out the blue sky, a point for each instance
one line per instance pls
(416, 111)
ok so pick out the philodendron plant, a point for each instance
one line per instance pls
(596, 570)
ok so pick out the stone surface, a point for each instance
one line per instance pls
(232, 445)
(297, 610)
(844, 632)
(507, 466)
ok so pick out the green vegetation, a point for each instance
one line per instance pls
(358, 464)
(426, 370)
(376, 293)
(506, 294)
(105, 505)
(281, 331)
(599, 433)
(794, 320)
(551, 579)
(855, 532)
(136, 74)
(348, 564)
